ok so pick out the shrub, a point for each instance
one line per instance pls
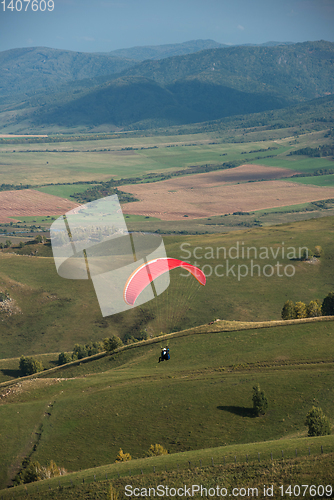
(260, 402)
(156, 450)
(288, 311)
(80, 351)
(327, 307)
(4, 296)
(28, 366)
(300, 310)
(307, 254)
(94, 348)
(51, 470)
(317, 422)
(318, 251)
(112, 493)
(313, 310)
(129, 338)
(112, 343)
(64, 357)
(123, 457)
(28, 473)
(34, 471)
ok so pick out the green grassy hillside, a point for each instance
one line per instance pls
(187, 468)
(52, 314)
(80, 416)
(201, 398)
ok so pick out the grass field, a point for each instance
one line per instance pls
(302, 164)
(57, 313)
(103, 405)
(188, 469)
(39, 164)
(65, 191)
(199, 404)
(321, 180)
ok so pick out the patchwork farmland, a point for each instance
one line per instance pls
(28, 202)
(202, 397)
(241, 189)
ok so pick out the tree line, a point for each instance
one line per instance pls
(29, 365)
(314, 309)
(323, 150)
(108, 188)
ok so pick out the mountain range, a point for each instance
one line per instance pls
(46, 87)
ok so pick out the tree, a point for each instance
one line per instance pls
(39, 239)
(300, 310)
(64, 357)
(156, 450)
(94, 348)
(318, 424)
(28, 366)
(21, 244)
(8, 243)
(112, 343)
(307, 254)
(28, 473)
(318, 251)
(34, 471)
(327, 307)
(123, 457)
(79, 352)
(313, 310)
(260, 402)
(288, 311)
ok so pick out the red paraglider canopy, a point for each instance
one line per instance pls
(147, 272)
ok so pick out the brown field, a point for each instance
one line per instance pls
(244, 173)
(216, 193)
(29, 202)
(13, 135)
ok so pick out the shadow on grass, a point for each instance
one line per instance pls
(53, 363)
(11, 373)
(239, 410)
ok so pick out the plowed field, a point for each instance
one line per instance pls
(29, 202)
(245, 188)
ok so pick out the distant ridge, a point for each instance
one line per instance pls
(162, 51)
(156, 52)
(41, 68)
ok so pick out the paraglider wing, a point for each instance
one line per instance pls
(151, 270)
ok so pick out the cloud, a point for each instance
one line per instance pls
(240, 27)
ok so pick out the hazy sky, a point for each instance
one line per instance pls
(104, 25)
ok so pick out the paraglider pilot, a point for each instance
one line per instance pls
(164, 354)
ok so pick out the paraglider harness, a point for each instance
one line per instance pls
(164, 354)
